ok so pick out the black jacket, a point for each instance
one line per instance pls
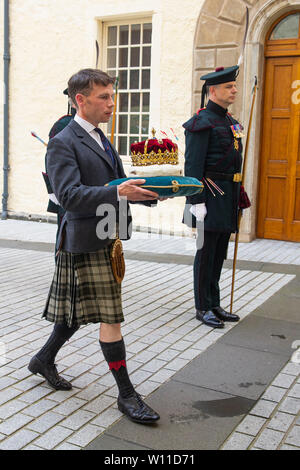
(210, 147)
(78, 170)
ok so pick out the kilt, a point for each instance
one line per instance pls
(84, 290)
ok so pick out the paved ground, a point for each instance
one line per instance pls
(236, 388)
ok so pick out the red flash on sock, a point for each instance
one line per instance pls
(117, 364)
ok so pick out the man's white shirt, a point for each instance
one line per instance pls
(90, 129)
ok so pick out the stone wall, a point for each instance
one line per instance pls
(218, 42)
(52, 39)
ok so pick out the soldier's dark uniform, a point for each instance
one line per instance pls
(57, 127)
(61, 123)
(213, 152)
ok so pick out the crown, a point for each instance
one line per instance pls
(154, 152)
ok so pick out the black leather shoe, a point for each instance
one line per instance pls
(49, 372)
(208, 317)
(223, 315)
(137, 410)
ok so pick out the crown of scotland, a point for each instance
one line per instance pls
(154, 152)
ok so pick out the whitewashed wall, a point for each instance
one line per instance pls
(52, 39)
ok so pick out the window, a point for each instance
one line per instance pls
(128, 57)
(287, 28)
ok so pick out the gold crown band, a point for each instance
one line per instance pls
(153, 158)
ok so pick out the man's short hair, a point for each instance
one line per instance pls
(212, 86)
(84, 80)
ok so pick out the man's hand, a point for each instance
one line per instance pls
(133, 192)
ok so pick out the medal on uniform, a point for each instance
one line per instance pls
(236, 130)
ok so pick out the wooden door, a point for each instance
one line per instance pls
(279, 184)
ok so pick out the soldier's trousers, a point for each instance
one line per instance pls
(208, 265)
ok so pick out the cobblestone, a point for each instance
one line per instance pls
(50, 439)
(251, 425)
(269, 439)
(294, 437)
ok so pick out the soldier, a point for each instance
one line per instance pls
(214, 155)
(62, 122)
(58, 126)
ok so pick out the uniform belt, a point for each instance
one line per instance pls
(235, 177)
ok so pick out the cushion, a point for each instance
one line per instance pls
(167, 186)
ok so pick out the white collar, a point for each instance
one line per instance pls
(87, 126)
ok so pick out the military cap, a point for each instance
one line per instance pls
(221, 75)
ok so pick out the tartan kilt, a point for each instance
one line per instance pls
(84, 290)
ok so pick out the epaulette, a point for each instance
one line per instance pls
(201, 109)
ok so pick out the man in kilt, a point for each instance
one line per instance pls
(80, 162)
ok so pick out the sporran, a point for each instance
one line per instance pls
(117, 260)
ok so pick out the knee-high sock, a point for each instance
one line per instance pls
(115, 355)
(60, 334)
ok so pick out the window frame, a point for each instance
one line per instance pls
(277, 24)
(124, 22)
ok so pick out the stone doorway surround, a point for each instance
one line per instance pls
(218, 42)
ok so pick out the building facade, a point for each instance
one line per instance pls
(159, 50)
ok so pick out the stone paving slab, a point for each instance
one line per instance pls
(109, 442)
(264, 334)
(235, 370)
(185, 422)
(162, 338)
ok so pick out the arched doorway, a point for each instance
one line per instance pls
(278, 215)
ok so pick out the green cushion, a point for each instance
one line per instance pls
(167, 186)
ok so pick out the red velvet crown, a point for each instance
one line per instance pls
(154, 152)
(153, 145)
